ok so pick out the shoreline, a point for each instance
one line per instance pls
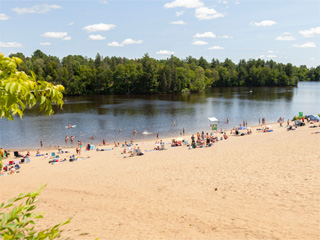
(253, 127)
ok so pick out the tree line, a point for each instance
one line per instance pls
(115, 75)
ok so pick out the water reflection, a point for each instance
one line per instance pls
(103, 116)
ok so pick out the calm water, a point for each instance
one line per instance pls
(103, 116)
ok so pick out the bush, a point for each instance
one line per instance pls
(296, 118)
(19, 222)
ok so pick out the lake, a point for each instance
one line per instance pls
(103, 116)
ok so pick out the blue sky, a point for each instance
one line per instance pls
(282, 30)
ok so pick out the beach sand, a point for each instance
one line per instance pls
(261, 186)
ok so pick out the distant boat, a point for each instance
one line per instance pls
(72, 126)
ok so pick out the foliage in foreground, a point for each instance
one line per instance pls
(20, 221)
(18, 90)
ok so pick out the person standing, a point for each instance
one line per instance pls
(157, 135)
(183, 131)
(41, 143)
(193, 143)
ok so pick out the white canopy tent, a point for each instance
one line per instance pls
(213, 119)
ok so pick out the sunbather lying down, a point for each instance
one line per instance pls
(315, 132)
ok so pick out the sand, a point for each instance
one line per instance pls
(261, 186)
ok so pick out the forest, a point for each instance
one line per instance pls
(115, 75)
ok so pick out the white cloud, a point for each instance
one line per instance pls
(271, 51)
(45, 43)
(104, 2)
(10, 44)
(263, 23)
(178, 14)
(96, 37)
(199, 43)
(261, 56)
(205, 13)
(165, 52)
(312, 58)
(66, 38)
(215, 48)
(115, 44)
(236, 2)
(305, 45)
(184, 3)
(127, 41)
(99, 27)
(285, 38)
(205, 35)
(40, 9)
(271, 56)
(178, 22)
(225, 37)
(55, 34)
(71, 23)
(310, 32)
(4, 17)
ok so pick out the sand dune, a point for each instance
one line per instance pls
(261, 186)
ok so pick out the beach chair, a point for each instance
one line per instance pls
(72, 158)
(16, 154)
(27, 160)
(53, 154)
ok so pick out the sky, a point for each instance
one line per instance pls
(286, 31)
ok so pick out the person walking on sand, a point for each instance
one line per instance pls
(41, 143)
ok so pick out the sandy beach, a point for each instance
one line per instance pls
(260, 186)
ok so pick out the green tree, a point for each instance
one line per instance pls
(20, 221)
(18, 90)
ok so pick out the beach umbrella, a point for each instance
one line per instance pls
(242, 128)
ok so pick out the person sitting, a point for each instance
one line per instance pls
(225, 136)
(88, 147)
(139, 153)
(12, 170)
(38, 152)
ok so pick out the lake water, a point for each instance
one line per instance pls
(103, 116)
